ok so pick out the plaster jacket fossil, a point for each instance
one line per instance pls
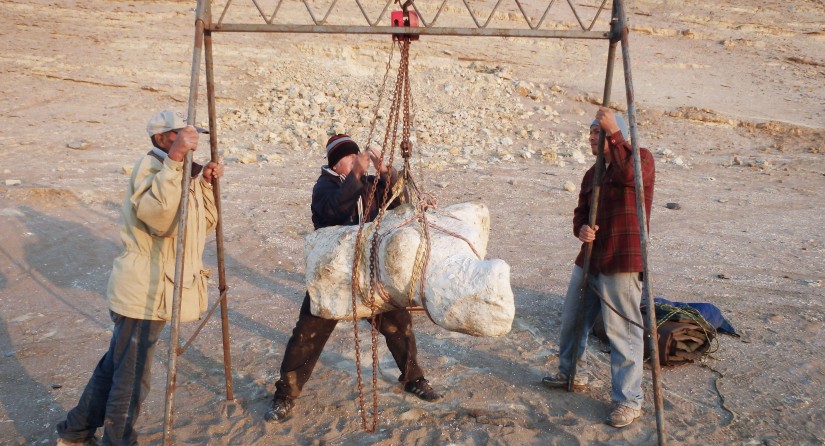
(462, 291)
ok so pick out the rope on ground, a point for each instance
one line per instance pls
(734, 417)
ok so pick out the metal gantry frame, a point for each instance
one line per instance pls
(205, 27)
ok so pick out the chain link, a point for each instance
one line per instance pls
(401, 95)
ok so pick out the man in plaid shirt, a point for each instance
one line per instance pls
(615, 271)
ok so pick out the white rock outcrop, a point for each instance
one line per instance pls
(462, 292)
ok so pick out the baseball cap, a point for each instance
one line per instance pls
(167, 120)
(620, 122)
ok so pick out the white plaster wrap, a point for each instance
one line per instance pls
(462, 292)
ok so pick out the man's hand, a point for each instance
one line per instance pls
(377, 160)
(186, 140)
(212, 171)
(607, 121)
(588, 234)
(362, 163)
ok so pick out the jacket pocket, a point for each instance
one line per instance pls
(189, 287)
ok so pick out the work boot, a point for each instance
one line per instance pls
(279, 410)
(422, 389)
(91, 441)
(622, 415)
(559, 381)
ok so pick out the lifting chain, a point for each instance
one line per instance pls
(401, 94)
(356, 281)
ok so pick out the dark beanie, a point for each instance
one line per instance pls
(338, 147)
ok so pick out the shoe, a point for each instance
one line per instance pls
(91, 441)
(623, 415)
(279, 410)
(422, 389)
(559, 381)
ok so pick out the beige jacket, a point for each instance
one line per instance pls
(142, 281)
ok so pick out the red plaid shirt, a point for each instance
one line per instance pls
(617, 248)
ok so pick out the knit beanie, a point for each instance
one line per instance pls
(339, 146)
(620, 122)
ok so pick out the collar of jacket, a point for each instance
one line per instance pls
(326, 170)
(161, 156)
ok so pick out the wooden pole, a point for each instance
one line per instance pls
(594, 203)
(647, 289)
(171, 376)
(216, 190)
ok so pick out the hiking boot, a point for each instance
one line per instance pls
(622, 415)
(422, 389)
(279, 410)
(559, 381)
(91, 441)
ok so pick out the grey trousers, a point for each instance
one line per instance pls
(118, 385)
(624, 292)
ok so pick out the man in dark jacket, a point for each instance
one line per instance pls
(338, 198)
(615, 271)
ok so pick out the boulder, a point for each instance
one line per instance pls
(462, 291)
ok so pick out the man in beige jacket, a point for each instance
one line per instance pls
(141, 285)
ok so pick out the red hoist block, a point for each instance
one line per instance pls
(397, 18)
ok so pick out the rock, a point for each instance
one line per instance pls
(320, 98)
(79, 145)
(577, 156)
(272, 158)
(674, 206)
(569, 186)
(413, 414)
(247, 158)
(13, 182)
(462, 292)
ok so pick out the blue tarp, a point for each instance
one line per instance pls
(710, 312)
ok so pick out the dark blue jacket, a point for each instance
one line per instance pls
(335, 200)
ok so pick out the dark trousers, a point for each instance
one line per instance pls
(118, 386)
(312, 332)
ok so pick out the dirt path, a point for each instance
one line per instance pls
(730, 100)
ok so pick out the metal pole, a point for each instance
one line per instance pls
(216, 190)
(439, 31)
(179, 253)
(647, 290)
(594, 201)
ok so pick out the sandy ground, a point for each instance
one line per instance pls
(731, 98)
